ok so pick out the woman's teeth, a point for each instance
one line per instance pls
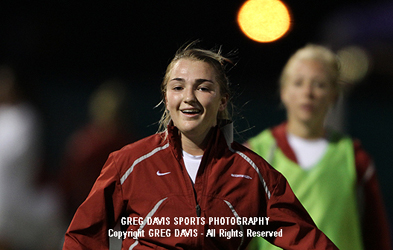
(190, 111)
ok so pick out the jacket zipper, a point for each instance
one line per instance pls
(198, 210)
(197, 207)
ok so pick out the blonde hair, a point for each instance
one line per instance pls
(320, 54)
(214, 59)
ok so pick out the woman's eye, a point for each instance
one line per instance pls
(177, 88)
(320, 84)
(203, 88)
(298, 83)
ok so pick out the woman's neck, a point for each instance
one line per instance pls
(306, 130)
(194, 145)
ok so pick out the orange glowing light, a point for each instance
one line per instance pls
(264, 20)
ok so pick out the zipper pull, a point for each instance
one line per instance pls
(198, 210)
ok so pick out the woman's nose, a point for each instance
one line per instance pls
(308, 89)
(189, 95)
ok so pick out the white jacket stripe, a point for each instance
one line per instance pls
(144, 157)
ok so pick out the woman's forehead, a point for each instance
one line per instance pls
(308, 66)
(192, 68)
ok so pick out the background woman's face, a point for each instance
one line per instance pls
(308, 92)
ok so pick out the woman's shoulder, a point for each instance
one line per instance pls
(266, 138)
(262, 135)
(267, 174)
(249, 155)
(142, 147)
(363, 160)
(336, 136)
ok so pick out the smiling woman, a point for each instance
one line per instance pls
(194, 100)
(214, 65)
(194, 171)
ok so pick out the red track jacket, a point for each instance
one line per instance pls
(236, 196)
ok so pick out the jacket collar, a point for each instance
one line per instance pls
(221, 134)
(227, 130)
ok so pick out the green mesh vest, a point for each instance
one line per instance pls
(327, 191)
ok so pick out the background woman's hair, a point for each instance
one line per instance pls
(318, 53)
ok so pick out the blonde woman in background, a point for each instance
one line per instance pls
(326, 170)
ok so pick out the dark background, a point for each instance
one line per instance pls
(64, 49)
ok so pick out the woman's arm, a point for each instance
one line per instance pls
(375, 227)
(298, 229)
(98, 213)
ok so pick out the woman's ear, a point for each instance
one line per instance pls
(224, 102)
(283, 95)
